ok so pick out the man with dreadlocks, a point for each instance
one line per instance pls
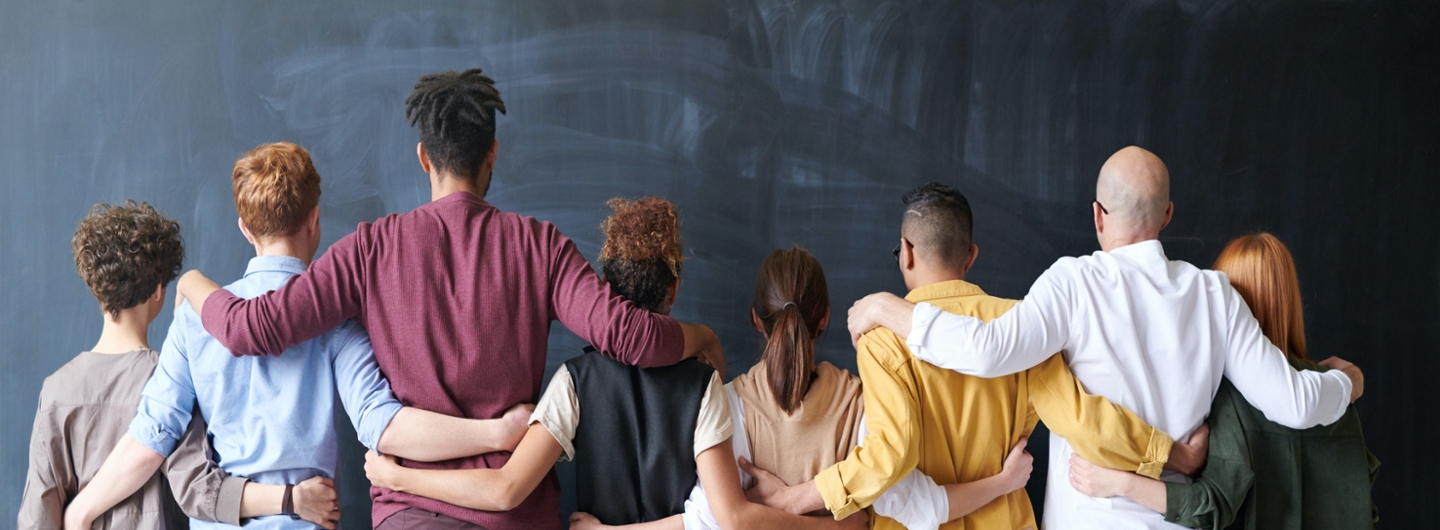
(458, 297)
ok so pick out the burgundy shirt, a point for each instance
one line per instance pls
(458, 297)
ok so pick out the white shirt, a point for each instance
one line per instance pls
(916, 501)
(1148, 333)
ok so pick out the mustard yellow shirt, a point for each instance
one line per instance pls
(958, 428)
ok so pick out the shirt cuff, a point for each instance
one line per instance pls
(227, 506)
(153, 435)
(1157, 454)
(920, 321)
(832, 490)
(567, 447)
(372, 426)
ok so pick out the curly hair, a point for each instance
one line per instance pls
(124, 252)
(455, 113)
(276, 188)
(641, 257)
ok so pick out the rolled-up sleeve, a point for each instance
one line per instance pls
(891, 447)
(1100, 431)
(363, 389)
(168, 401)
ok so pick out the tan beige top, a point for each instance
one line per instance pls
(85, 407)
(559, 412)
(796, 447)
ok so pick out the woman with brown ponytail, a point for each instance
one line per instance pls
(799, 417)
(647, 432)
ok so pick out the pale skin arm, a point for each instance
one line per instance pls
(494, 490)
(964, 498)
(722, 488)
(195, 287)
(425, 436)
(733, 511)
(131, 464)
(1097, 481)
(970, 496)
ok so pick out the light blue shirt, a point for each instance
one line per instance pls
(271, 419)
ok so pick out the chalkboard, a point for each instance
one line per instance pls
(769, 123)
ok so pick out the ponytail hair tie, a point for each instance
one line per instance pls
(788, 304)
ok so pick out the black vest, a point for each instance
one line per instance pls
(635, 446)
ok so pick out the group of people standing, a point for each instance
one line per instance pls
(431, 328)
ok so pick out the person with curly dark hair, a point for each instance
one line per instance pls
(273, 420)
(453, 293)
(646, 432)
(126, 254)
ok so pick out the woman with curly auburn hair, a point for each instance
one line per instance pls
(647, 432)
(1260, 474)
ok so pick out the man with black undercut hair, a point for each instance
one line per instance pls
(458, 297)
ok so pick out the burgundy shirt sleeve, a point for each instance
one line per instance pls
(330, 291)
(612, 324)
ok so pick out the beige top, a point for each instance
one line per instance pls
(85, 407)
(559, 412)
(796, 447)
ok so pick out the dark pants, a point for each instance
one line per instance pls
(418, 519)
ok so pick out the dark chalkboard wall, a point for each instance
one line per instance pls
(768, 123)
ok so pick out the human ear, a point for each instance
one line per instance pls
(423, 156)
(755, 320)
(245, 231)
(1169, 211)
(974, 253)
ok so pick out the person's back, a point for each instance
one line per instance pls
(1148, 333)
(1164, 364)
(1261, 474)
(126, 255)
(88, 404)
(634, 448)
(455, 293)
(798, 444)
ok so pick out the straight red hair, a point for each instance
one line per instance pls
(1263, 272)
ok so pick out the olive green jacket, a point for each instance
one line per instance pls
(1260, 475)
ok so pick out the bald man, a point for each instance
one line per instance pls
(1144, 331)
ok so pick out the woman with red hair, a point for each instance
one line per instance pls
(1258, 473)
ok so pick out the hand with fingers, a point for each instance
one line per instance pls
(1357, 378)
(517, 423)
(1097, 481)
(768, 489)
(316, 502)
(381, 469)
(1017, 467)
(1189, 457)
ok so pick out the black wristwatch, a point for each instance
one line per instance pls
(287, 504)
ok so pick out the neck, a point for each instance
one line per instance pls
(125, 332)
(445, 185)
(1109, 244)
(285, 246)
(927, 277)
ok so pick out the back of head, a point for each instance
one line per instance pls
(939, 224)
(455, 113)
(125, 252)
(791, 301)
(1134, 187)
(276, 187)
(641, 257)
(1263, 272)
